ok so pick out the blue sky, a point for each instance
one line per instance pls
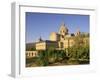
(42, 24)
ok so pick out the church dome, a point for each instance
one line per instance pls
(63, 29)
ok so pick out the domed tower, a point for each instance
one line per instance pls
(63, 30)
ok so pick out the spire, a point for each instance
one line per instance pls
(40, 39)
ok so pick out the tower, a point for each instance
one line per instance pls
(63, 30)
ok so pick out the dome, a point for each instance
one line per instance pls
(63, 29)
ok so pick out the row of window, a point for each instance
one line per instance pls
(31, 54)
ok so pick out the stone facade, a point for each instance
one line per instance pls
(57, 40)
(62, 39)
(43, 45)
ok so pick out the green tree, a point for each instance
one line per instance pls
(42, 59)
(80, 50)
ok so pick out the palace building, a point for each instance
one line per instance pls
(58, 40)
